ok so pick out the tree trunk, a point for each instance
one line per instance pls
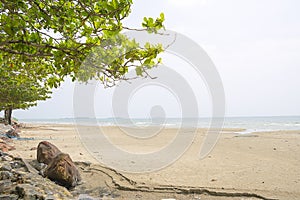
(7, 115)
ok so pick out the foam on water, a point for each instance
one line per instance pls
(250, 124)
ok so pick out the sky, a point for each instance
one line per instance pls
(254, 44)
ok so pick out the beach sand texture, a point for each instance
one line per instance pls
(264, 165)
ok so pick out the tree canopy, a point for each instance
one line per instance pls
(42, 42)
(59, 34)
(19, 90)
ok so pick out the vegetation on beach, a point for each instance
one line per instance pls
(19, 90)
(42, 42)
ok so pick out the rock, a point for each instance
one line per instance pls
(17, 164)
(12, 133)
(8, 197)
(17, 182)
(27, 191)
(5, 167)
(46, 152)
(6, 158)
(6, 147)
(60, 167)
(4, 128)
(38, 166)
(6, 139)
(5, 185)
(3, 147)
(3, 154)
(63, 171)
(86, 197)
(42, 188)
(4, 175)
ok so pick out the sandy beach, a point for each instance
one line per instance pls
(261, 165)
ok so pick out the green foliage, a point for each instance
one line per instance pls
(20, 90)
(43, 41)
(111, 60)
(152, 25)
(60, 34)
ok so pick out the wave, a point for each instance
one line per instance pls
(248, 123)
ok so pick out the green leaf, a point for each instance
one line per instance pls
(44, 41)
(162, 16)
(139, 71)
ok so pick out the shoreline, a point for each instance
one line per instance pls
(224, 130)
(264, 163)
(244, 125)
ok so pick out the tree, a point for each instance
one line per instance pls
(49, 39)
(64, 32)
(19, 90)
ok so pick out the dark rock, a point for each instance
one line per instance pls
(17, 182)
(6, 158)
(6, 167)
(63, 171)
(43, 188)
(8, 197)
(3, 154)
(4, 175)
(5, 186)
(46, 152)
(38, 166)
(17, 164)
(27, 191)
(50, 197)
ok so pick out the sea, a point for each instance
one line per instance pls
(248, 124)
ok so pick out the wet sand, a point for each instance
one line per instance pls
(252, 166)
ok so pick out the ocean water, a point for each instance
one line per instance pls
(250, 124)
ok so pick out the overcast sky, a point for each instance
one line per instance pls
(255, 45)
